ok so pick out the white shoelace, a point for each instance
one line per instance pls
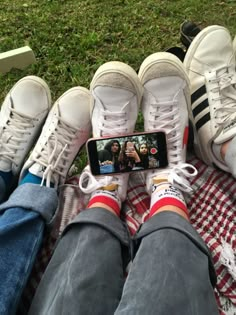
(107, 121)
(111, 123)
(178, 176)
(55, 157)
(165, 116)
(12, 137)
(88, 183)
(224, 83)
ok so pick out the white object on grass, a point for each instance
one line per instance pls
(17, 58)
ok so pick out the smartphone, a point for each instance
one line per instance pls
(122, 154)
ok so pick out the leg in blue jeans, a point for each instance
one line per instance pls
(30, 206)
(22, 225)
(172, 272)
(21, 233)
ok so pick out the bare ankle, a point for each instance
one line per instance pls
(224, 148)
(172, 209)
(102, 205)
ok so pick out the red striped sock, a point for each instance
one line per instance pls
(164, 194)
(109, 198)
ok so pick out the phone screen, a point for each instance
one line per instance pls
(134, 152)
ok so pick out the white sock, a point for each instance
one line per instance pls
(109, 198)
(165, 194)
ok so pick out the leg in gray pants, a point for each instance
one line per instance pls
(171, 273)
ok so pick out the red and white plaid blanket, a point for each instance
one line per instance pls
(212, 213)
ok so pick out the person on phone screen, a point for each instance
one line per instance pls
(129, 157)
(108, 157)
(144, 156)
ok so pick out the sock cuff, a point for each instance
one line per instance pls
(108, 200)
(166, 201)
(43, 200)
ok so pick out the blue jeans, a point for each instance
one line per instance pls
(22, 222)
(171, 272)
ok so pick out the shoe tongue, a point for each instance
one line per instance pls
(106, 95)
(37, 170)
(166, 88)
(24, 103)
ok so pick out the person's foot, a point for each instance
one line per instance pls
(164, 107)
(22, 115)
(117, 94)
(210, 64)
(65, 131)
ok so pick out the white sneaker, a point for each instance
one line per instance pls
(65, 131)
(22, 115)
(117, 94)
(164, 107)
(210, 64)
(234, 44)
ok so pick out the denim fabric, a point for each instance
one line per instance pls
(86, 272)
(171, 272)
(21, 232)
(34, 197)
(2, 189)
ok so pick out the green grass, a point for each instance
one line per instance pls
(71, 38)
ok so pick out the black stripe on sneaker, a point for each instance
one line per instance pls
(200, 107)
(202, 121)
(197, 94)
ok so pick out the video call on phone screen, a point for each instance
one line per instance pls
(126, 154)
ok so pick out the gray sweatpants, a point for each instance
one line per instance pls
(171, 270)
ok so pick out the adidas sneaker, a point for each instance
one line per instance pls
(65, 131)
(116, 92)
(210, 64)
(164, 107)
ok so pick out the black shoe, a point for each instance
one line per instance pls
(188, 30)
(177, 51)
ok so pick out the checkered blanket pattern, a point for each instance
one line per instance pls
(212, 213)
